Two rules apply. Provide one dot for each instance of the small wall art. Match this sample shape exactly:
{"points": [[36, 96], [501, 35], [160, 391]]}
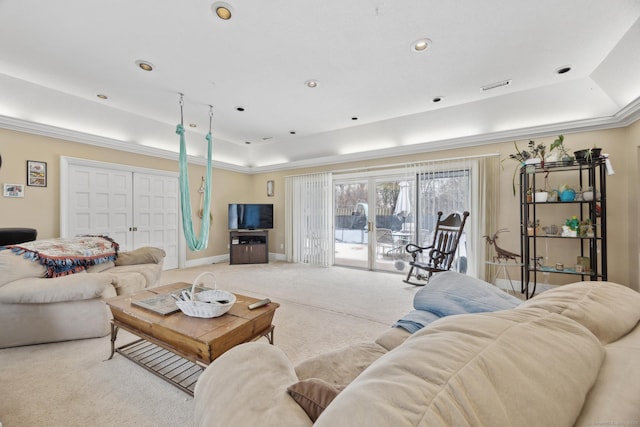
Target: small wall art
{"points": [[36, 173], [13, 190]]}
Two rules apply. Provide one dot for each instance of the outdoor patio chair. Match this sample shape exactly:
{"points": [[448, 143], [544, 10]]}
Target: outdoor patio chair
{"points": [[440, 254], [384, 240]]}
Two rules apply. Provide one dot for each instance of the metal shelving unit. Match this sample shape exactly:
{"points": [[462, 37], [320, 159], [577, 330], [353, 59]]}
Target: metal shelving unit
{"points": [[592, 174]]}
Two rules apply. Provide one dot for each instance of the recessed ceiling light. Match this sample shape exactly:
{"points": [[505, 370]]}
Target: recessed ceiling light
{"points": [[312, 83], [248, 142], [563, 70], [145, 65], [193, 125], [240, 108], [354, 118], [421, 45], [437, 99], [102, 96], [292, 132], [222, 10]]}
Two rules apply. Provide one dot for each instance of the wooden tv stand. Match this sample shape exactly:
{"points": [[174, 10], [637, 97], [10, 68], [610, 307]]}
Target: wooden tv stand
{"points": [[249, 247]]}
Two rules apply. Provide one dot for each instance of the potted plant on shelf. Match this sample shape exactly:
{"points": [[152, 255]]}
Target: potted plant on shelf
{"points": [[540, 196], [588, 156], [563, 154], [534, 155]]}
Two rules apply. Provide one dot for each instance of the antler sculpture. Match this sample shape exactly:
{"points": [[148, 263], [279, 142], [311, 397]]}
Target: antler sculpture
{"points": [[500, 253]]}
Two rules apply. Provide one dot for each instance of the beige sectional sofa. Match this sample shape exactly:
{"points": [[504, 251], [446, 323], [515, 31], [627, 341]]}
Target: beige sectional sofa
{"points": [[569, 356], [35, 309]]}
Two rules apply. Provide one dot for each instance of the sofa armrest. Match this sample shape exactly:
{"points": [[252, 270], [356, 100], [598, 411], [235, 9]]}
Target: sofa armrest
{"points": [[247, 386], [149, 273], [144, 255]]}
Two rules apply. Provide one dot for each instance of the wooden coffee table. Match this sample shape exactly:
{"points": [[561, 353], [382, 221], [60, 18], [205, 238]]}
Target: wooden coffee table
{"points": [[177, 347]]}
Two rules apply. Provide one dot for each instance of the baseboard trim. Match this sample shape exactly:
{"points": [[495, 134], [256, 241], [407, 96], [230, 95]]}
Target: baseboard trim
{"points": [[225, 258]]}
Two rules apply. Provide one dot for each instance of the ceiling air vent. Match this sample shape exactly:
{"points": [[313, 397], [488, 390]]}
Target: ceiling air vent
{"points": [[496, 85]]}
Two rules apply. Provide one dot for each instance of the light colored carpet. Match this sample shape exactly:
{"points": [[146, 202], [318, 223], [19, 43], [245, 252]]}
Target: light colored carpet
{"points": [[70, 384]]}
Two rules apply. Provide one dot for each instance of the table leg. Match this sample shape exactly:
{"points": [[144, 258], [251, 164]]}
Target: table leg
{"points": [[268, 334], [114, 334], [508, 276]]}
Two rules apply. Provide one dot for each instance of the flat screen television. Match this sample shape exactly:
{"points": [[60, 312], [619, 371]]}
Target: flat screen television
{"points": [[250, 216]]}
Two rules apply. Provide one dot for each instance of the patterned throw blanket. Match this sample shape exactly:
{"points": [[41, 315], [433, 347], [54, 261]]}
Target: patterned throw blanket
{"points": [[67, 256]]}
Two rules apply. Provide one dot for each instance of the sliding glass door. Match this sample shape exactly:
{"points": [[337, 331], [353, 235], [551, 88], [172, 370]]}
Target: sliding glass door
{"points": [[373, 217], [377, 213], [351, 223]]}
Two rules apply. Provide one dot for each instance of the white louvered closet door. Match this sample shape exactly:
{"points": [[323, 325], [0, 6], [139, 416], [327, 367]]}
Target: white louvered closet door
{"points": [[134, 208], [100, 201], [156, 216]]}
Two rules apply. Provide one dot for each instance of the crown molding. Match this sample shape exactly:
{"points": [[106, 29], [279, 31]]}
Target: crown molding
{"points": [[25, 126], [623, 118]]}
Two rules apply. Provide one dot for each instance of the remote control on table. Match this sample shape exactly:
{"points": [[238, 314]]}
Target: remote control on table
{"points": [[259, 303]]}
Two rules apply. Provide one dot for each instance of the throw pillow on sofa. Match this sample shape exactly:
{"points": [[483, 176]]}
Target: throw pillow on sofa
{"points": [[313, 395]]}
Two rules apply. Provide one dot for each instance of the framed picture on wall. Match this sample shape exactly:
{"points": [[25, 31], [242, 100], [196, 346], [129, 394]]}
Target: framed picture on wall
{"points": [[36, 173], [13, 190]]}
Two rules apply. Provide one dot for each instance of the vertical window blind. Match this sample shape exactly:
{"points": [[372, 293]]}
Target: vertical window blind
{"points": [[452, 185], [309, 219], [457, 185]]}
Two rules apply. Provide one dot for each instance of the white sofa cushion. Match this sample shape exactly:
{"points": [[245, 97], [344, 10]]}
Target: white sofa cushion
{"points": [[615, 397], [151, 273], [341, 366], [392, 338], [511, 368], [75, 287], [254, 379], [607, 309], [127, 282], [14, 267]]}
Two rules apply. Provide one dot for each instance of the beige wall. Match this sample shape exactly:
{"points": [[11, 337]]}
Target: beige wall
{"points": [[230, 187], [632, 225], [622, 145], [40, 208]]}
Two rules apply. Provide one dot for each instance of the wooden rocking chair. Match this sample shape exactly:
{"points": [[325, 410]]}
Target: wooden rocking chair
{"points": [[441, 253]]}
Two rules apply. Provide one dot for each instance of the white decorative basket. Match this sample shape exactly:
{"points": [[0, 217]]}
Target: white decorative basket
{"points": [[206, 303]]}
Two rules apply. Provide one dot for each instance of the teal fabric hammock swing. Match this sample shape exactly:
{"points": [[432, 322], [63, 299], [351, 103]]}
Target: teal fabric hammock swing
{"points": [[194, 243]]}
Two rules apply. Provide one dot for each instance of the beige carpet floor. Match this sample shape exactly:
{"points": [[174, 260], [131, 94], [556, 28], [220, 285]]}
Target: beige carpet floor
{"points": [[70, 384]]}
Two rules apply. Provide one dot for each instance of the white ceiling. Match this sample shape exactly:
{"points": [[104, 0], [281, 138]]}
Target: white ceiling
{"points": [[55, 57]]}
